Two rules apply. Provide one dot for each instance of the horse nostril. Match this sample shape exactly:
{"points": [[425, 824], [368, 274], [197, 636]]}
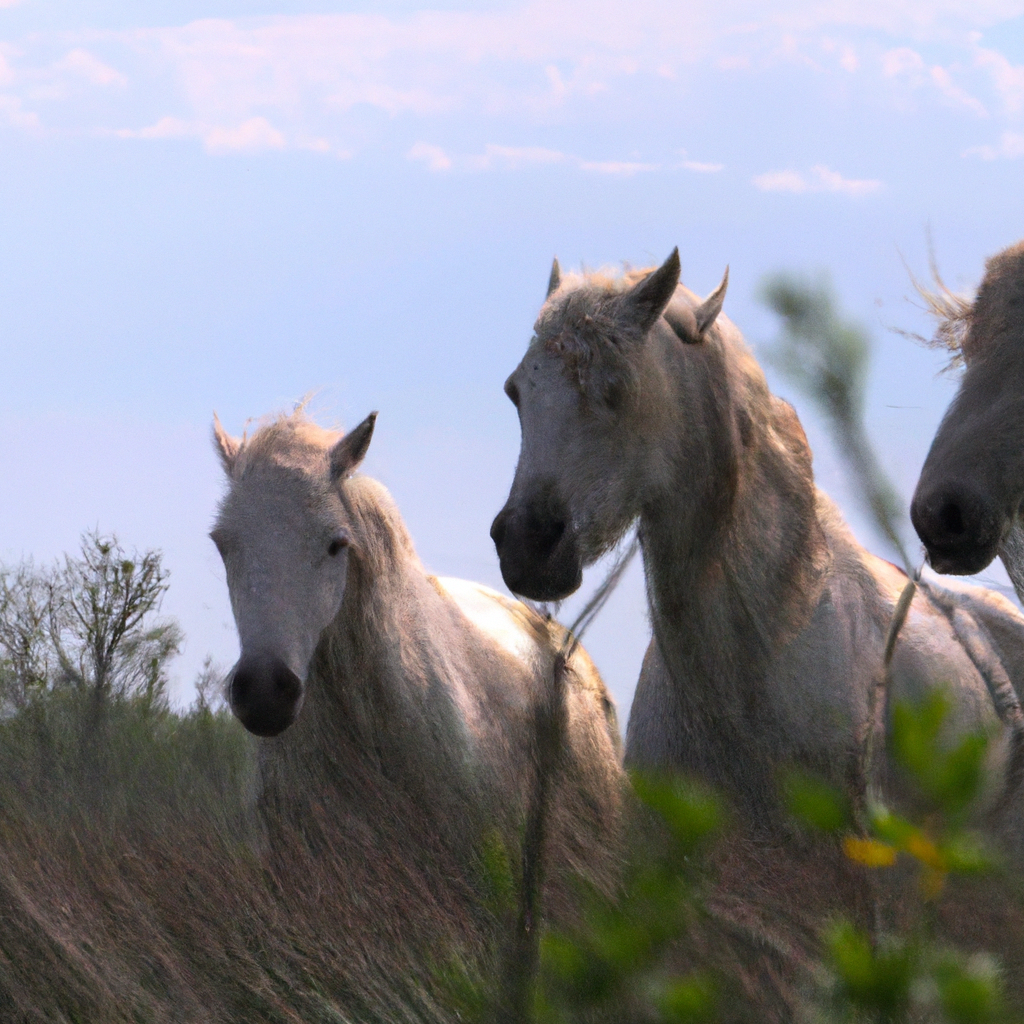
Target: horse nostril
{"points": [[287, 685], [544, 534], [952, 519]]}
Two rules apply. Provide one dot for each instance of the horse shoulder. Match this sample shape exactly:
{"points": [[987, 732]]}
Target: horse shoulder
{"points": [[823, 676]]}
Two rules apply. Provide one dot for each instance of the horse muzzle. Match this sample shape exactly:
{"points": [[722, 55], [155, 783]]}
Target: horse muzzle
{"points": [[265, 694], [958, 527], [539, 555]]}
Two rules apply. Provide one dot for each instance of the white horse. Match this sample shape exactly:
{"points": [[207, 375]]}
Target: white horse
{"points": [[404, 706], [638, 401]]}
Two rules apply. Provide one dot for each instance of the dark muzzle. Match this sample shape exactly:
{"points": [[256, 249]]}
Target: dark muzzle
{"points": [[958, 527], [537, 550], [265, 694]]}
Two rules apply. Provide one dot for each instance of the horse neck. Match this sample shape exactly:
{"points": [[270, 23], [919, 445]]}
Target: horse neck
{"points": [[733, 549]]}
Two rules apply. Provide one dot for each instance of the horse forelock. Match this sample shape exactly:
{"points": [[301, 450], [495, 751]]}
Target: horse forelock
{"points": [[579, 323], [998, 309], [969, 327], [290, 439]]}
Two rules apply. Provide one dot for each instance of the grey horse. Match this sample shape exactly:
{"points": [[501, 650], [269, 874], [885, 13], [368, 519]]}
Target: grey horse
{"points": [[638, 401], [398, 709]]}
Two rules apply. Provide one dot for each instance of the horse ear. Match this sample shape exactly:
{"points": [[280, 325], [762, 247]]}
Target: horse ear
{"points": [[707, 312], [646, 300], [351, 449], [225, 445], [555, 279]]}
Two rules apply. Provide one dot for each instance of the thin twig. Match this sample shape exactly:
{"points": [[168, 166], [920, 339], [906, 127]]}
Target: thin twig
{"points": [[549, 729]]}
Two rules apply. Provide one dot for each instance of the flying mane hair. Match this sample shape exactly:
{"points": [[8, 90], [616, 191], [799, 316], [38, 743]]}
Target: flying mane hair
{"points": [[286, 434], [964, 324]]}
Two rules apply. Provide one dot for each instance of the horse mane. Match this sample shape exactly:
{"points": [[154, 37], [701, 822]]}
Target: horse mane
{"points": [[966, 325], [997, 306]]}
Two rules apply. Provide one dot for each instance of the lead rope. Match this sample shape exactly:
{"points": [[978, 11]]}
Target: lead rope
{"points": [[549, 729]]}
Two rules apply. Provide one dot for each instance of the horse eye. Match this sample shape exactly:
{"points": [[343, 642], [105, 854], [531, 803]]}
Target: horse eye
{"points": [[613, 394], [337, 543], [512, 391]]}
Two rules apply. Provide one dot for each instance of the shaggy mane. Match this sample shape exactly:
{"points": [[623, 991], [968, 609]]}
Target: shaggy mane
{"points": [[291, 438], [951, 311]]}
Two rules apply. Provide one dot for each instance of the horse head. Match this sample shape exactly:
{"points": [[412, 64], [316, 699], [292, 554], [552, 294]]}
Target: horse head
{"points": [[284, 535], [593, 405], [972, 483]]}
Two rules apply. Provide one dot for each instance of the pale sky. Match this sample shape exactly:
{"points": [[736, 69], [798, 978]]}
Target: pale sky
{"points": [[228, 205]]}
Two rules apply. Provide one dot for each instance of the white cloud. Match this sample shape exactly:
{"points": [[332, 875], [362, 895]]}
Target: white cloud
{"points": [[513, 157], [781, 181], [307, 81], [495, 157], [1007, 78], [12, 111], [434, 157], [251, 135], [623, 168], [165, 128], [957, 96], [254, 134], [902, 61], [6, 71], [820, 179], [910, 66], [702, 168], [1010, 147], [84, 64]]}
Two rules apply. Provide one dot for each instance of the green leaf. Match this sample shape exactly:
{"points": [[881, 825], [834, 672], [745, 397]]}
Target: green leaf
{"points": [[969, 992], [875, 979], [815, 803], [690, 810], [967, 854], [687, 1000], [890, 828]]}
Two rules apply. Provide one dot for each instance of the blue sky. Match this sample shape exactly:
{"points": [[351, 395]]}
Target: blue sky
{"points": [[229, 205]]}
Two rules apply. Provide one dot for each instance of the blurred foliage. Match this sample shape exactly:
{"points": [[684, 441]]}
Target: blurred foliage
{"points": [[912, 974], [616, 957], [617, 963], [827, 358]]}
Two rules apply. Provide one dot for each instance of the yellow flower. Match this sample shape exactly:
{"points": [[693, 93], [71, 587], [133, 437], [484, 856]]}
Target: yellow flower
{"points": [[870, 852], [921, 847]]}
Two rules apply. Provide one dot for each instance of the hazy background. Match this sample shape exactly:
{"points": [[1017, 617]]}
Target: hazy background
{"points": [[228, 205]]}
